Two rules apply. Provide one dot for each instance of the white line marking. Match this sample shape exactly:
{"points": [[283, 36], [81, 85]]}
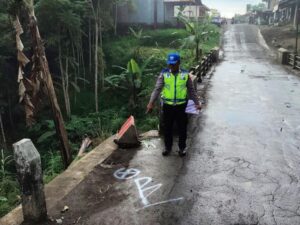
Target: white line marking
{"points": [[160, 203], [141, 183]]}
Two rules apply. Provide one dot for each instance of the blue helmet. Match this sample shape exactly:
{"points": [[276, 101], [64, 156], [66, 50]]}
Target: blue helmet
{"points": [[173, 58]]}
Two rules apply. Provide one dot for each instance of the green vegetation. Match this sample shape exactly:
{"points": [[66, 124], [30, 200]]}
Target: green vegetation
{"points": [[128, 66], [9, 192]]}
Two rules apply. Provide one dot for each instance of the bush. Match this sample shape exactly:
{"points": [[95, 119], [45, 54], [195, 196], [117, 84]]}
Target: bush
{"points": [[166, 38], [119, 51], [53, 165], [9, 195]]}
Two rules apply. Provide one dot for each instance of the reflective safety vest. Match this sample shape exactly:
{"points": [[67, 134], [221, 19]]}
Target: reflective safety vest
{"points": [[175, 90]]}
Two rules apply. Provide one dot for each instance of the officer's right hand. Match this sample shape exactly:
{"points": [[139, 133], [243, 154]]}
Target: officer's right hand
{"points": [[198, 107], [149, 108]]}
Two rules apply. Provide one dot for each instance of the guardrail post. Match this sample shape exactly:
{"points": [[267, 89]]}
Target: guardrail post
{"points": [[283, 56], [29, 170], [215, 54]]}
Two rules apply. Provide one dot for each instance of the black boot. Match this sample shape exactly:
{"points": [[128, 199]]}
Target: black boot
{"points": [[166, 152], [182, 152]]}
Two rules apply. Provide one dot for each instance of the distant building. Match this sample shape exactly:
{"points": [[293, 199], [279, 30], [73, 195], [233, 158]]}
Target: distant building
{"points": [[285, 12], [271, 4], [158, 12]]}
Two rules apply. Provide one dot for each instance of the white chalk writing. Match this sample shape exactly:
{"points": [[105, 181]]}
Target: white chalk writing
{"points": [[144, 191], [125, 174], [162, 202]]}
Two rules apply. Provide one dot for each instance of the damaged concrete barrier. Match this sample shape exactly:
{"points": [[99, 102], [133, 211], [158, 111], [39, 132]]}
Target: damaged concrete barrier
{"points": [[29, 170], [127, 137], [215, 54], [283, 56], [194, 80]]}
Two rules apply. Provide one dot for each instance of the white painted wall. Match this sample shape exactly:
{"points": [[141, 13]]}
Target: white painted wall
{"points": [[144, 13]]}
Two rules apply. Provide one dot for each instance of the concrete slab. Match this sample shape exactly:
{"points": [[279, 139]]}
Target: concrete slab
{"points": [[63, 184]]}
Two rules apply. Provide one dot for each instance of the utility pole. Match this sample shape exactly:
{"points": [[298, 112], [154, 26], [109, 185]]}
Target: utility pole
{"points": [[155, 14]]}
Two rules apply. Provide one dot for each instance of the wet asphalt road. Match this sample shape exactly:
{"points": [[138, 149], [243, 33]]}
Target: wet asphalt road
{"points": [[243, 164]]}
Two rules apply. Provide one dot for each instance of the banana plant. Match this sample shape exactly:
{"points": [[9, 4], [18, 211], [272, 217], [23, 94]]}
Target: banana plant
{"points": [[199, 33], [130, 79], [138, 35]]}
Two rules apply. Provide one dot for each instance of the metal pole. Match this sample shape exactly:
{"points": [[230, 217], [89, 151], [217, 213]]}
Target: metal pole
{"points": [[297, 30], [297, 27]]}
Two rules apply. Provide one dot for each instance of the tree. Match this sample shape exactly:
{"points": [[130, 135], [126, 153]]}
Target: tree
{"points": [[101, 11], [2, 132], [40, 74], [95, 11], [258, 7], [7, 54], [199, 33], [131, 80], [65, 38]]}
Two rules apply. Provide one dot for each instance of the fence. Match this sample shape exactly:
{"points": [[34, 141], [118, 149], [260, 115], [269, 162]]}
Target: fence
{"points": [[205, 64], [294, 60]]}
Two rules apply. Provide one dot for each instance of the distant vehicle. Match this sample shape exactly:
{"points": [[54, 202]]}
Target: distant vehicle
{"points": [[217, 21], [224, 21]]}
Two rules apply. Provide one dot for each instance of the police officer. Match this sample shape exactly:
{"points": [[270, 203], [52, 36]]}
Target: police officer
{"points": [[175, 85]]}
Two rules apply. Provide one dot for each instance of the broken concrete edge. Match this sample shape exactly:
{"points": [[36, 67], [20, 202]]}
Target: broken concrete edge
{"points": [[149, 135], [70, 178], [283, 50]]}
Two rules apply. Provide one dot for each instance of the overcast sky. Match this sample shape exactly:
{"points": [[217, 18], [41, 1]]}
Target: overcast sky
{"points": [[229, 7]]}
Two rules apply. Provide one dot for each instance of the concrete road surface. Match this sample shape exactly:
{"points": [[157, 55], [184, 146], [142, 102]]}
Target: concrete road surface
{"points": [[243, 164]]}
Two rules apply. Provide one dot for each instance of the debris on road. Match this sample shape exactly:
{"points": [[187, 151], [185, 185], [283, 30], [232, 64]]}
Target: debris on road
{"points": [[148, 144], [86, 142], [106, 166], [150, 134], [59, 221], [65, 209]]}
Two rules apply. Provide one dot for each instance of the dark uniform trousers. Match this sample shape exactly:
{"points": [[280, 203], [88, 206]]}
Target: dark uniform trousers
{"points": [[171, 114]]}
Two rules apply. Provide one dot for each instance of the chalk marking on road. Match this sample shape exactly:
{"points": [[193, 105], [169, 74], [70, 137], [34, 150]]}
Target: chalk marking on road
{"points": [[126, 174], [243, 40], [160, 203], [141, 183]]}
